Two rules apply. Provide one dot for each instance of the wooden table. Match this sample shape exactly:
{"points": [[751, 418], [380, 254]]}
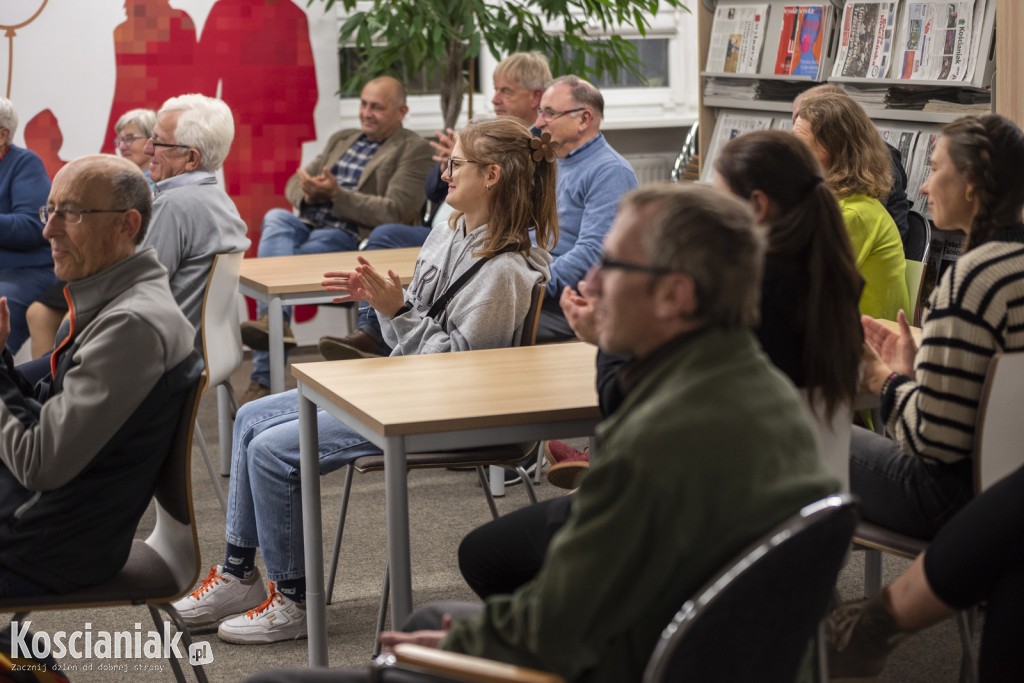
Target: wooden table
{"points": [[432, 402], [291, 280]]}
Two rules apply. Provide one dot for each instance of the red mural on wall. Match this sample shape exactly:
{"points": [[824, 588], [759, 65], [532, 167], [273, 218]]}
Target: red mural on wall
{"points": [[256, 56], [43, 136], [259, 53], [154, 57]]}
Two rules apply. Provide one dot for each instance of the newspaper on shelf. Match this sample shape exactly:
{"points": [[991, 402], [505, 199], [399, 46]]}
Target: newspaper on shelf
{"points": [[737, 39], [935, 40], [919, 168], [866, 39], [976, 39], [802, 39], [730, 126], [741, 89], [902, 139]]}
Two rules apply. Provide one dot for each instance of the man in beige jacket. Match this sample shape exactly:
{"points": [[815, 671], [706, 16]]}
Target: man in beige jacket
{"points": [[365, 177]]}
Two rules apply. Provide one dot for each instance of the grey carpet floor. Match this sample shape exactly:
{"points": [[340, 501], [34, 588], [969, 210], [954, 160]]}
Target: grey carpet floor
{"points": [[444, 505]]}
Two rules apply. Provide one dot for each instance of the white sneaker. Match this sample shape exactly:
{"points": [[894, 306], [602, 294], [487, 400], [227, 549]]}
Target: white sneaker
{"points": [[278, 618], [218, 596]]}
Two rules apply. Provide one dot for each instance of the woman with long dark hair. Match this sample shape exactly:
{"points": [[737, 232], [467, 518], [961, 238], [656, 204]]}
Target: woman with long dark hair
{"points": [[810, 326]]}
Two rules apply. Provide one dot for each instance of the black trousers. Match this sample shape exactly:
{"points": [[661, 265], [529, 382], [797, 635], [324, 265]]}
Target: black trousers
{"points": [[979, 555], [502, 555]]}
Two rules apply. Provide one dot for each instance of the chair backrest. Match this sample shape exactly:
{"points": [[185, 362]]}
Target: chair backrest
{"points": [[999, 434], [833, 436], [174, 535], [222, 341], [914, 275], [755, 619], [529, 335], [919, 237]]}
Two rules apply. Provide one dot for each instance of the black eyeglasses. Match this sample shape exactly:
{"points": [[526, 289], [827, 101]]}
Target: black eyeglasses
{"points": [[72, 216], [549, 114], [166, 144], [606, 263], [454, 163]]}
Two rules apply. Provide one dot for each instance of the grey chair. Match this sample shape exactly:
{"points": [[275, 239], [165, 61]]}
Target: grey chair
{"points": [[161, 568], [755, 620], [222, 353]]}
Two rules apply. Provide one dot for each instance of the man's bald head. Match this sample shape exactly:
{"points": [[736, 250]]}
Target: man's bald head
{"points": [[382, 107], [113, 199]]}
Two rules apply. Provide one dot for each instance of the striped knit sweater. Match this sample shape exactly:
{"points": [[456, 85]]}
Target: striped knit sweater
{"points": [[976, 311]]}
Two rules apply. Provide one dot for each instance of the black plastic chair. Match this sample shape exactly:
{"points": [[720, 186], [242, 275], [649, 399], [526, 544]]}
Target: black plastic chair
{"points": [[919, 237], [755, 620]]}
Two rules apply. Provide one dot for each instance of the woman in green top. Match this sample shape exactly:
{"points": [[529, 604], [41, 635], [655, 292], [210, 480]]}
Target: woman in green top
{"points": [[857, 170]]}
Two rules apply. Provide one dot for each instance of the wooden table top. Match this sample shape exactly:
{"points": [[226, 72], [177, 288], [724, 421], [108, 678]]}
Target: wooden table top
{"points": [[442, 392], [304, 273]]}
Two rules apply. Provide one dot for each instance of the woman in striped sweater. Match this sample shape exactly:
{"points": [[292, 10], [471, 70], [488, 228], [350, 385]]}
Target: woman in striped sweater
{"points": [[916, 481]]}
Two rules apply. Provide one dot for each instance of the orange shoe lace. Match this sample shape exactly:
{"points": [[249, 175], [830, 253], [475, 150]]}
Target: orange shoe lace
{"points": [[209, 582], [273, 598]]}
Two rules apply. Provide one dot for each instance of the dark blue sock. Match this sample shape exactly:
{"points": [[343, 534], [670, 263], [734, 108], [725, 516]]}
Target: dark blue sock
{"points": [[293, 589], [240, 562]]}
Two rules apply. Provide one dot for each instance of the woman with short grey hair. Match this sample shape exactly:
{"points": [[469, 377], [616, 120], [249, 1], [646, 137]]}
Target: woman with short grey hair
{"points": [[133, 129]]}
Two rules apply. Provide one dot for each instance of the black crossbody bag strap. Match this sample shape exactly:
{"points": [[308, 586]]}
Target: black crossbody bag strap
{"points": [[441, 302]]}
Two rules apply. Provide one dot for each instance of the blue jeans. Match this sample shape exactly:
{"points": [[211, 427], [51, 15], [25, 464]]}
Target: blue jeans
{"points": [[903, 492], [388, 236], [22, 286], [283, 234], [265, 496]]}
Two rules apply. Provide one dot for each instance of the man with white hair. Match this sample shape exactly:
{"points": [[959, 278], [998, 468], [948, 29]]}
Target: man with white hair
{"points": [[193, 218], [26, 269]]}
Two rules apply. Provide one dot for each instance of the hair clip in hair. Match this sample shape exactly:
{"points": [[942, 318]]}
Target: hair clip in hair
{"points": [[544, 148]]}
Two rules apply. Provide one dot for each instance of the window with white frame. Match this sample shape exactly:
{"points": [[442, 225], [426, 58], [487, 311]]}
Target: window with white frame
{"points": [[667, 53]]}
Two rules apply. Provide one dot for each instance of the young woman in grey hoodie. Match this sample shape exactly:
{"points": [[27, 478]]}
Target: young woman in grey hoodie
{"points": [[501, 181]]}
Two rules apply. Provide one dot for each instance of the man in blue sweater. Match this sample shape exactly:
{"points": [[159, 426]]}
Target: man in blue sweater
{"points": [[592, 177], [26, 268]]}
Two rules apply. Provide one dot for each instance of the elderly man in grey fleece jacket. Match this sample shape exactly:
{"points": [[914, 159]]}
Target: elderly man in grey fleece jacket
{"points": [[80, 451], [193, 218]]}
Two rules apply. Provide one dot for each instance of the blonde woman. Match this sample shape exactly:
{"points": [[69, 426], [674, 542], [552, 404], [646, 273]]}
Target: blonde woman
{"points": [[857, 170]]}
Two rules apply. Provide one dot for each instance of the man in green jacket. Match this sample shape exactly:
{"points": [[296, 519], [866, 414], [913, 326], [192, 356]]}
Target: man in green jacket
{"points": [[709, 450]]}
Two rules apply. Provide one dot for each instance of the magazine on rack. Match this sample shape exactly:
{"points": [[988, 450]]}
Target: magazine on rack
{"points": [[935, 41], [801, 40], [737, 39], [866, 39], [730, 126]]}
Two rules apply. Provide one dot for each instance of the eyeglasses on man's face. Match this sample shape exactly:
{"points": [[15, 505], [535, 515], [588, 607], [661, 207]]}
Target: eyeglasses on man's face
{"points": [[127, 140], [153, 142], [71, 216], [549, 114], [605, 263]]}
